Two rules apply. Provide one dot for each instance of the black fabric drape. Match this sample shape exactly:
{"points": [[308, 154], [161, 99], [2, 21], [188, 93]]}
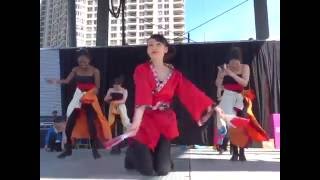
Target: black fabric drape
{"points": [[198, 62], [265, 70]]}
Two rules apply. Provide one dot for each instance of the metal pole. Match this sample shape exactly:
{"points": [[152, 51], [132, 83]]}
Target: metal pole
{"points": [[123, 23], [72, 37], [261, 19], [102, 23]]}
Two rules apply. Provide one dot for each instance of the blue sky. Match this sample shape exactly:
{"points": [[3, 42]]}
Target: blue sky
{"points": [[237, 24]]}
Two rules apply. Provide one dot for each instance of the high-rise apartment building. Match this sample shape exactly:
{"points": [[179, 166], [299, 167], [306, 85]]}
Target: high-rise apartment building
{"points": [[53, 23], [146, 17], [142, 18]]}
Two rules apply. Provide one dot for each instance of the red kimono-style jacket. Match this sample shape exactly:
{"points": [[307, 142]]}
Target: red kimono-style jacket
{"points": [[163, 122]]}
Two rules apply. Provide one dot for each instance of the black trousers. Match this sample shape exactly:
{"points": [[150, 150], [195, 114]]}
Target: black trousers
{"points": [[141, 158], [225, 143], [117, 129], [91, 115], [53, 145]]}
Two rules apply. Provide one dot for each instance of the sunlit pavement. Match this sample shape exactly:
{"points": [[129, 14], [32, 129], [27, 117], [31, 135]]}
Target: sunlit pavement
{"points": [[202, 163]]}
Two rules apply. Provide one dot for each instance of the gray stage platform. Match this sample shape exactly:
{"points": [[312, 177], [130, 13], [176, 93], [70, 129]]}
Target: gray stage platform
{"points": [[203, 164]]}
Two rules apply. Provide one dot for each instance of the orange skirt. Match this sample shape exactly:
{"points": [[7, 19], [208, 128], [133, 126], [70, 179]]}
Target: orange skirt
{"points": [[253, 131], [81, 131]]}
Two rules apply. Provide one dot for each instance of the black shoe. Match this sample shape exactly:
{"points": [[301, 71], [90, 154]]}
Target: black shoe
{"points": [[66, 152], [116, 150], [172, 165], [234, 157], [95, 154], [128, 164], [242, 157]]}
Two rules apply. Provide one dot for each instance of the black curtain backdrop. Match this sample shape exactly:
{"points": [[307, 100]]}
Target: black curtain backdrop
{"points": [[198, 62]]}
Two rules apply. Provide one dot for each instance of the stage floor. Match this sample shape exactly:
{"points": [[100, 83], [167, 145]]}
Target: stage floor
{"points": [[203, 164]]}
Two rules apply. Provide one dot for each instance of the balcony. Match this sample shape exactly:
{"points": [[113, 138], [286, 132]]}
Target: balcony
{"points": [[132, 14], [178, 26], [148, 6], [132, 7], [148, 2], [131, 34], [148, 20], [178, 40], [179, 30], [132, 27], [132, 41], [148, 27], [148, 13], [178, 6], [131, 1], [132, 20], [178, 19], [178, 12]]}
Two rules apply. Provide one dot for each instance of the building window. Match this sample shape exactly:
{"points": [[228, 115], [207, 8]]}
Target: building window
{"points": [[89, 22], [166, 0], [141, 41], [141, 1], [90, 2], [88, 43], [141, 20], [166, 12], [113, 21], [166, 33], [160, 12], [132, 34], [141, 13], [166, 6], [89, 16], [89, 8], [159, 6], [88, 36], [95, 22], [166, 19], [159, 0], [141, 27], [159, 27], [114, 28], [141, 34], [113, 42], [141, 7], [89, 28], [167, 26], [96, 8], [132, 41], [133, 7], [113, 35], [159, 19]]}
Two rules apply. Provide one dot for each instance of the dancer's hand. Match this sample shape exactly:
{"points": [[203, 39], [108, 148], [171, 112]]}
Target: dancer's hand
{"points": [[229, 72], [51, 81], [132, 130], [206, 117], [219, 111]]}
